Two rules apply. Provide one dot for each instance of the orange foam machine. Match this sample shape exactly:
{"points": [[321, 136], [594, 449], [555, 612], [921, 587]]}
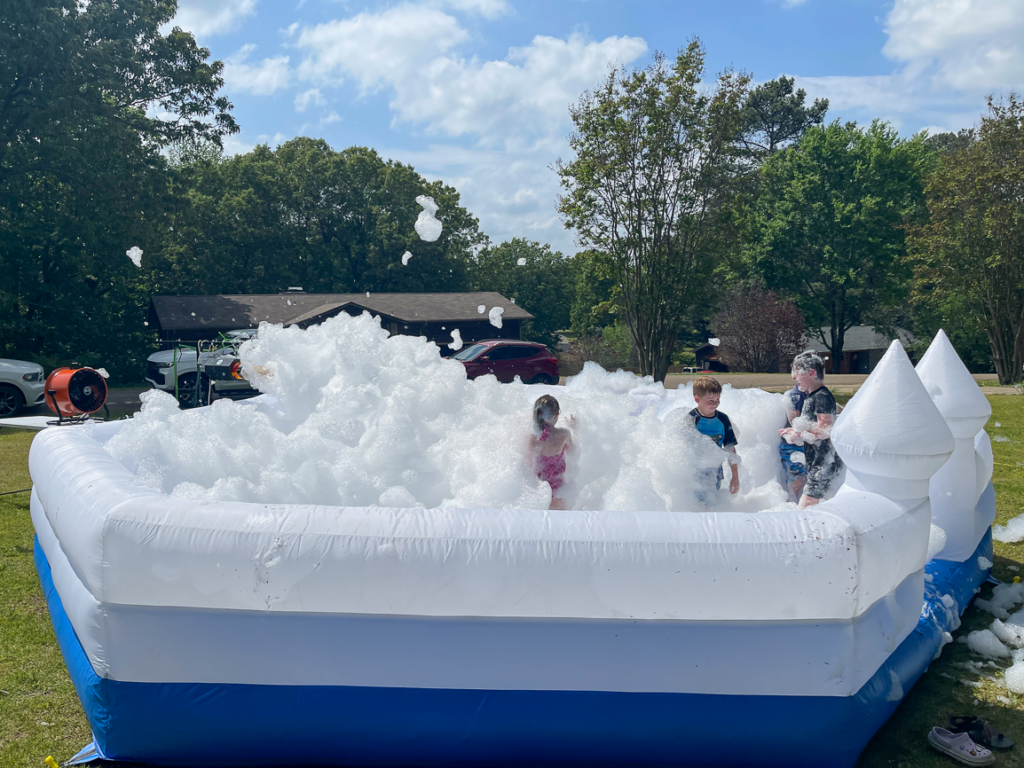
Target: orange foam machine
{"points": [[75, 391]]}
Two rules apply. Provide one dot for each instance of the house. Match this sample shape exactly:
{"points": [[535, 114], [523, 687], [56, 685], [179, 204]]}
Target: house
{"points": [[434, 315], [708, 358], [863, 347]]}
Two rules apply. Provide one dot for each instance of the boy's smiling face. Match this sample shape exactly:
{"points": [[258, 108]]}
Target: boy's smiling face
{"points": [[707, 404]]}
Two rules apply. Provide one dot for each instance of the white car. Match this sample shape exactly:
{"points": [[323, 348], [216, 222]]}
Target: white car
{"points": [[162, 368], [21, 384]]}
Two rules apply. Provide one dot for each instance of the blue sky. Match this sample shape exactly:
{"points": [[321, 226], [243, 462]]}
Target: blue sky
{"points": [[476, 92]]}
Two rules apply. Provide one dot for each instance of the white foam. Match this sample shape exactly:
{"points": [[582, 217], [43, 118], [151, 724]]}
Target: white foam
{"points": [[456, 342], [494, 316], [1010, 533], [521, 262], [983, 642], [1014, 676], [405, 258], [984, 563], [936, 541], [135, 254], [427, 227], [353, 417]]}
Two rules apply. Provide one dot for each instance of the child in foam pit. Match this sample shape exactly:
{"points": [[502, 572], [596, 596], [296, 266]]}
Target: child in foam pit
{"points": [[813, 428], [794, 461], [710, 421], [548, 445]]}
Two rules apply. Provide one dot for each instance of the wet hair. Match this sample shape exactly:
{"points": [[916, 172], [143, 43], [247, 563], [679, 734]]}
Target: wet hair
{"points": [[706, 385], [810, 361], [545, 410]]}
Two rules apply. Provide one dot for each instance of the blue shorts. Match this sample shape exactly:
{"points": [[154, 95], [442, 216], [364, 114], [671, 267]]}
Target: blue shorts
{"points": [[793, 469]]}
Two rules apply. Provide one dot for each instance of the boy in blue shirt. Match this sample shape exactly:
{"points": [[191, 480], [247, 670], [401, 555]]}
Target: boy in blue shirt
{"points": [[710, 421]]}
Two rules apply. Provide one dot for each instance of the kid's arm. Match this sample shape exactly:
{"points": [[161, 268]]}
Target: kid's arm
{"points": [[734, 482]]}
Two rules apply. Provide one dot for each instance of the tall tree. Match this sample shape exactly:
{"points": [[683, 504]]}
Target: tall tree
{"points": [[306, 215], [775, 115], [758, 330], [537, 278], [89, 94], [654, 159], [971, 253], [828, 225]]}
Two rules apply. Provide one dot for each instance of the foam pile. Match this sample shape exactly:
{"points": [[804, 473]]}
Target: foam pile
{"points": [[1010, 533], [355, 418], [1005, 636]]}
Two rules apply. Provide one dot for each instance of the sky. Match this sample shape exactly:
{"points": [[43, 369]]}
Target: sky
{"points": [[476, 93]]}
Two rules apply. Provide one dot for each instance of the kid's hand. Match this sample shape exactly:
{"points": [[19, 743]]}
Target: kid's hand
{"points": [[734, 485]]}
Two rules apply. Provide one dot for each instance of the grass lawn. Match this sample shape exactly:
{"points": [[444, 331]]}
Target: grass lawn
{"points": [[40, 714]]}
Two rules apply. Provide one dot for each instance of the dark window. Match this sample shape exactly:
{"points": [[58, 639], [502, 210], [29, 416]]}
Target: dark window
{"points": [[520, 353], [501, 353]]}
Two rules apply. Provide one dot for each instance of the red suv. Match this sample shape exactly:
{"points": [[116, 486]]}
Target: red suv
{"points": [[506, 359]]}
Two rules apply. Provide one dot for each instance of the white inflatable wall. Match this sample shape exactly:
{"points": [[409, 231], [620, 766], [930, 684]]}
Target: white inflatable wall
{"points": [[785, 602]]}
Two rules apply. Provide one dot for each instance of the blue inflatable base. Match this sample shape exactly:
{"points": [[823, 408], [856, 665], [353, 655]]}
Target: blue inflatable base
{"points": [[263, 725]]}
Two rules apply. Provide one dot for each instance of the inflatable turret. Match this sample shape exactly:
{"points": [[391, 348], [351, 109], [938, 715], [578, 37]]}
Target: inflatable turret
{"points": [[891, 435], [957, 488]]}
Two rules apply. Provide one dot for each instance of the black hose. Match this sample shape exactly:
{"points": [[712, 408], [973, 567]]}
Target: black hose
{"points": [[8, 493]]}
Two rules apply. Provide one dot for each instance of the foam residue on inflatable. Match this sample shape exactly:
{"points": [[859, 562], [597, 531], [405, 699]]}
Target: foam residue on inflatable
{"points": [[358, 418]]}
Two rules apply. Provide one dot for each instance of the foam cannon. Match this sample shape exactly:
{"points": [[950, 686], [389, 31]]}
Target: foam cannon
{"points": [[75, 393]]}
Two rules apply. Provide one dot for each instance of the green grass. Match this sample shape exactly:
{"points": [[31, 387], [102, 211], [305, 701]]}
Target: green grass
{"points": [[35, 688]]}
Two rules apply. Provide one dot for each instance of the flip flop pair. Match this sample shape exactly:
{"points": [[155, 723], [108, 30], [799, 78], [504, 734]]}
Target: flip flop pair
{"points": [[980, 731]]}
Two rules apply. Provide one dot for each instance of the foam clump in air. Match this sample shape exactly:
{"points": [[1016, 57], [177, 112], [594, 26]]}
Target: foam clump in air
{"points": [[405, 258], [352, 417], [427, 227], [494, 316], [135, 254], [481, 309], [521, 262], [1010, 533], [456, 342]]}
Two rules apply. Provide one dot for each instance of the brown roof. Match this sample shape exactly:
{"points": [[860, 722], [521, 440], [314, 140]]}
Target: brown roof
{"points": [[186, 313]]}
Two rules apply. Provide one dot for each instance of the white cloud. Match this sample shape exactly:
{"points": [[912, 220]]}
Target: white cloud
{"points": [[490, 9], [515, 109], [966, 44], [235, 146], [211, 17], [409, 49], [950, 53], [312, 96], [261, 79], [334, 117]]}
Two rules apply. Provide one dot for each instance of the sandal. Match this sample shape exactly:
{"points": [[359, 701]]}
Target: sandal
{"points": [[960, 747], [980, 731]]}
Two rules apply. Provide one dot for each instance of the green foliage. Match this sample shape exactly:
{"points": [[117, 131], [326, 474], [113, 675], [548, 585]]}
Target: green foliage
{"points": [[306, 215], [827, 229], [655, 155], [81, 177], [543, 285], [970, 256], [775, 115]]}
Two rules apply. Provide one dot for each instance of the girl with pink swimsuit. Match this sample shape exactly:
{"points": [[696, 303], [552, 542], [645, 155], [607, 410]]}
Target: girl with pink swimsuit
{"points": [[548, 446]]}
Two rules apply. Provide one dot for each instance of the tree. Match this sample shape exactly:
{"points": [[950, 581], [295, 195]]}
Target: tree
{"points": [[542, 284], [304, 214], [89, 94], [775, 115], [827, 228], [758, 329], [970, 256], [649, 186]]}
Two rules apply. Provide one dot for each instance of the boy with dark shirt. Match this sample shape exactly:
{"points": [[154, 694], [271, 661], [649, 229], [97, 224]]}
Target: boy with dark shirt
{"points": [[710, 421], [814, 428]]}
